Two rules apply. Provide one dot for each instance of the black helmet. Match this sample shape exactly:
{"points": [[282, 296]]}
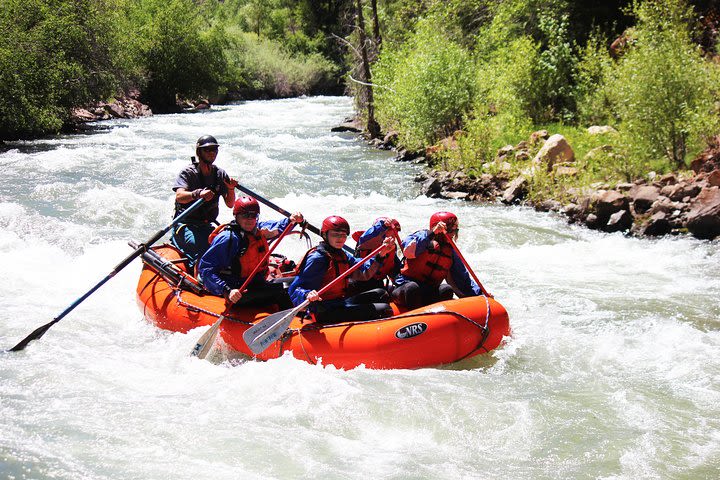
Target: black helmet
{"points": [[206, 141]]}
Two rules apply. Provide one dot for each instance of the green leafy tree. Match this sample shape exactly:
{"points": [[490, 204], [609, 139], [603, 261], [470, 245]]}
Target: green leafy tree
{"points": [[663, 90], [427, 85], [179, 53], [54, 55], [593, 70]]}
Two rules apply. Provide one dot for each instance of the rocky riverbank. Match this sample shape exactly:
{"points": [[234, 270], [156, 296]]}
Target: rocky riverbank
{"points": [[671, 204], [125, 106]]}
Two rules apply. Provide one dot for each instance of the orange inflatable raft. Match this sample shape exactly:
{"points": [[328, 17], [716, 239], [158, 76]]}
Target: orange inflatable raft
{"points": [[438, 334]]}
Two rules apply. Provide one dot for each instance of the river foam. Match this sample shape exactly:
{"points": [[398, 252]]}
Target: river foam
{"points": [[613, 370]]}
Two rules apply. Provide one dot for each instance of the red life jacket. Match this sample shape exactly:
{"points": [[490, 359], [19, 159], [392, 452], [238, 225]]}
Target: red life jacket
{"points": [[431, 266], [337, 265], [388, 265], [248, 258]]}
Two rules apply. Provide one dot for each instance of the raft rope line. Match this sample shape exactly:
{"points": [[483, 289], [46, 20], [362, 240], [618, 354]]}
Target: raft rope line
{"points": [[190, 306], [483, 328], [178, 290]]}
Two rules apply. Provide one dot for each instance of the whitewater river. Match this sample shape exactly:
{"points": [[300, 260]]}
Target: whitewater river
{"points": [[613, 369]]}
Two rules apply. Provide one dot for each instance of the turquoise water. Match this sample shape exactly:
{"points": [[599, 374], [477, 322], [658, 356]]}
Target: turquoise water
{"points": [[613, 370]]}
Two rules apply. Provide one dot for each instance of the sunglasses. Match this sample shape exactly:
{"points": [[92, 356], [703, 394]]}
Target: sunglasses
{"points": [[249, 216], [210, 149]]}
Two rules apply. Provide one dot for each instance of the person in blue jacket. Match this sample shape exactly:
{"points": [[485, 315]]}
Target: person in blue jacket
{"points": [[369, 240], [200, 179], [236, 249], [430, 259], [328, 261]]}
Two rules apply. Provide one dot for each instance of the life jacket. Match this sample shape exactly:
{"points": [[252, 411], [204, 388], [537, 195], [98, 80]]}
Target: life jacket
{"points": [[337, 265], [431, 266], [388, 265], [251, 253], [208, 211]]}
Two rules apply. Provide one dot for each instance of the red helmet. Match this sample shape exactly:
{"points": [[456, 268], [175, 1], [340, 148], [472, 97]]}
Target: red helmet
{"points": [[450, 220], [393, 223], [335, 223], [246, 205]]}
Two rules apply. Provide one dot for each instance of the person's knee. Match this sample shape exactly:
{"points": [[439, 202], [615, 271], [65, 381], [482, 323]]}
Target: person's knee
{"points": [[446, 292], [382, 295], [383, 310]]}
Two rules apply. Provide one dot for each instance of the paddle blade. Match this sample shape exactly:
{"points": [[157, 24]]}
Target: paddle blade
{"points": [[268, 330], [205, 343], [37, 333]]}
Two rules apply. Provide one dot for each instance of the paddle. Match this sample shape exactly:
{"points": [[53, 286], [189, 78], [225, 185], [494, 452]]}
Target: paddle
{"points": [[462, 259], [40, 331], [282, 211], [267, 255], [202, 347], [204, 343], [268, 330]]}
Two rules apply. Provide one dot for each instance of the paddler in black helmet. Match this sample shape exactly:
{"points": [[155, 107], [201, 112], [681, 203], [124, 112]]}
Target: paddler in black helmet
{"points": [[200, 179]]}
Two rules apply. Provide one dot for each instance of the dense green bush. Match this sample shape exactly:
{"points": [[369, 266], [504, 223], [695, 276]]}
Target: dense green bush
{"points": [[60, 54], [54, 55], [593, 69], [262, 68], [556, 67], [178, 53], [427, 85], [663, 90]]}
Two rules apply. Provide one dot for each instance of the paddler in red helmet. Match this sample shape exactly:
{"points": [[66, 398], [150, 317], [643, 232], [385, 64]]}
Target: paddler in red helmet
{"points": [[369, 240], [327, 261], [430, 259], [235, 249]]}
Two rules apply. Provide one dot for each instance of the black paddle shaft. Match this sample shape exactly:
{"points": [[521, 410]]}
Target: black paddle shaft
{"points": [[40, 331], [282, 211]]}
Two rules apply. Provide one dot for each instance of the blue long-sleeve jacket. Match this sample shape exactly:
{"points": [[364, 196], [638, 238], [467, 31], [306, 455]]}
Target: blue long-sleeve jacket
{"points": [[458, 277], [377, 232], [227, 246], [315, 268]]}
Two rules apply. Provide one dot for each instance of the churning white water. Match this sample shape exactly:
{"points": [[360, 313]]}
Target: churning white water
{"points": [[613, 370]]}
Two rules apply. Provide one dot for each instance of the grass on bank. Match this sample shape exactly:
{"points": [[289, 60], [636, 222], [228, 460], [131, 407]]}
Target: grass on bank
{"points": [[661, 92], [261, 67]]}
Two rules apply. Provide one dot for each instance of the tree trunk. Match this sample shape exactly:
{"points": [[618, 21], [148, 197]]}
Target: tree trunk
{"points": [[372, 126], [376, 27]]}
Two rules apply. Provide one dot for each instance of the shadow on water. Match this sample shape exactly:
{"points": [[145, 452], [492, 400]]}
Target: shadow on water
{"points": [[477, 362]]}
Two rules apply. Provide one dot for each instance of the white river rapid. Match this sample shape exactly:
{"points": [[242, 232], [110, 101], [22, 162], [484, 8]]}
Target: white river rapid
{"points": [[612, 372]]}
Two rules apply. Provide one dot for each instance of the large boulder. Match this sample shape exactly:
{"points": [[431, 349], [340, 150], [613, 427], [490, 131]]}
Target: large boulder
{"points": [[644, 197], [556, 149], [703, 219], [116, 110], [82, 115], [431, 187], [353, 125], [600, 130], [619, 222], [713, 178], [658, 225], [515, 191], [681, 190], [608, 203]]}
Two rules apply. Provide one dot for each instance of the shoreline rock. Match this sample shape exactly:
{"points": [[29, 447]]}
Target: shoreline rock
{"points": [[667, 205], [126, 106], [661, 206]]}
